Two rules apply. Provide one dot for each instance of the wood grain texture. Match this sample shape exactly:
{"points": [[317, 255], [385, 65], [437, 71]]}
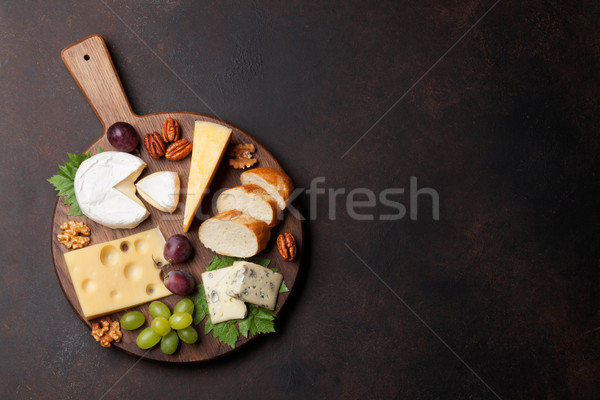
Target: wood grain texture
{"points": [[90, 64]]}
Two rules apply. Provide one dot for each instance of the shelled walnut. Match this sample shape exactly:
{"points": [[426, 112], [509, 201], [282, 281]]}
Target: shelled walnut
{"points": [[107, 331], [242, 156], [70, 235]]}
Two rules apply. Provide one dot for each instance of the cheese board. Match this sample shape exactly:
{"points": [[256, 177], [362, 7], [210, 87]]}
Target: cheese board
{"points": [[91, 66]]}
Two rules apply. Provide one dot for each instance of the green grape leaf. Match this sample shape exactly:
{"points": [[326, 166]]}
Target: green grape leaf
{"points": [[222, 262], [264, 262], [226, 261], [225, 332], [283, 288], [200, 305], [64, 179], [259, 320]]}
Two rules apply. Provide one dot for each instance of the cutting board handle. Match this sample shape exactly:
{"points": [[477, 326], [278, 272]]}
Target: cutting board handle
{"points": [[92, 68]]}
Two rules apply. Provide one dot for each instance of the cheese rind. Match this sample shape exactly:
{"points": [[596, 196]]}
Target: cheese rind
{"points": [[105, 190], [210, 142], [221, 307], [118, 274], [161, 190], [254, 284]]}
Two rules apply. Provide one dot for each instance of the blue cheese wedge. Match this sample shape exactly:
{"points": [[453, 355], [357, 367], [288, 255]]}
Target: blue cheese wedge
{"points": [[254, 284], [221, 307]]}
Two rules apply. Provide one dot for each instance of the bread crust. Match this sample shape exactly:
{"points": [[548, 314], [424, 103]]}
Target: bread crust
{"points": [[275, 178], [259, 228], [253, 190]]}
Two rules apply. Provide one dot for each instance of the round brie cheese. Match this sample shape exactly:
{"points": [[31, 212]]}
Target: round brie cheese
{"points": [[105, 190]]}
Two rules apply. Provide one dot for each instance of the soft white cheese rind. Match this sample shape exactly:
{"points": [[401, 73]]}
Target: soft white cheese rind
{"points": [[97, 196], [221, 307], [161, 190], [254, 284]]}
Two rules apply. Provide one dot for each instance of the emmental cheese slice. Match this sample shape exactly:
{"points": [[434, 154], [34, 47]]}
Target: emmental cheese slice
{"points": [[221, 307], [122, 273], [210, 143], [254, 284]]}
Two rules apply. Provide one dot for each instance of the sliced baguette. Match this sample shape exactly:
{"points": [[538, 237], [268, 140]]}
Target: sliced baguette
{"points": [[276, 183], [232, 233], [251, 200]]}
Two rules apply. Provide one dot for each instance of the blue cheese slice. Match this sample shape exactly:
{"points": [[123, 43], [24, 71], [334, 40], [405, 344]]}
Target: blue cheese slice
{"points": [[221, 307], [254, 284]]}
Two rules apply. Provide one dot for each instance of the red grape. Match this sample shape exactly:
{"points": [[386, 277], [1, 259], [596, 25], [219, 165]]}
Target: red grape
{"points": [[122, 136], [180, 282], [178, 249]]}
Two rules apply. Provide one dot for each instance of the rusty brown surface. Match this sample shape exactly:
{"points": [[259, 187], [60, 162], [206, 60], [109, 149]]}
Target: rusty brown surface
{"points": [[504, 128]]}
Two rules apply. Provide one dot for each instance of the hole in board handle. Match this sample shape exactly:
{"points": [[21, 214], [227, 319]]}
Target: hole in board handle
{"points": [[86, 57]]}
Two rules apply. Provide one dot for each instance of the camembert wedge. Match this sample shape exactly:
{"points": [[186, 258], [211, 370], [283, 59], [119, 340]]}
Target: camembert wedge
{"points": [[210, 143], [161, 190]]}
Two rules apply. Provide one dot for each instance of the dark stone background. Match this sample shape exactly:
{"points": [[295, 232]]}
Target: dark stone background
{"points": [[505, 128]]}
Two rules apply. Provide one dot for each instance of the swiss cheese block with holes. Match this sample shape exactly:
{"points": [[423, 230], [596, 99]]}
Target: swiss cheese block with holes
{"points": [[122, 273]]}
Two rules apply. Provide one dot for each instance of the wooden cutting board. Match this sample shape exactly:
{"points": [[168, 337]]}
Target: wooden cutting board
{"points": [[90, 64]]}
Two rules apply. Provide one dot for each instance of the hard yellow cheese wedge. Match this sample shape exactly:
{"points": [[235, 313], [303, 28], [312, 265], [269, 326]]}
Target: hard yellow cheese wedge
{"points": [[111, 276], [210, 143]]}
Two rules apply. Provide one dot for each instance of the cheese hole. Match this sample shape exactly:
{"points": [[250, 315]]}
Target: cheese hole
{"points": [[141, 246], [88, 285], [132, 272], [125, 247], [114, 294], [150, 289], [109, 256]]}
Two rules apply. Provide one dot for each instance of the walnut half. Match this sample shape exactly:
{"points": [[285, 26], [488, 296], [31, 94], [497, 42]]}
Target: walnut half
{"points": [[70, 235], [107, 331], [242, 156]]}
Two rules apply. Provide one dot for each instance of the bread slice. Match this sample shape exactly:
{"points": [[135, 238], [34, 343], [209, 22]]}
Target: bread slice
{"points": [[232, 233], [276, 183], [251, 200]]}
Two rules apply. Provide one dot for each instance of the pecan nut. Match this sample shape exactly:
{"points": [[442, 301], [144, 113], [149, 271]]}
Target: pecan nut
{"points": [[155, 145], [178, 150], [242, 156], [286, 244], [170, 130]]}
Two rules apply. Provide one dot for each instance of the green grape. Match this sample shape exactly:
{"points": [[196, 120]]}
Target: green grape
{"points": [[169, 343], [180, 320], [147, 338], [184, 305], [132, 320], [158, 309], [188, 335], [160, 326]]}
